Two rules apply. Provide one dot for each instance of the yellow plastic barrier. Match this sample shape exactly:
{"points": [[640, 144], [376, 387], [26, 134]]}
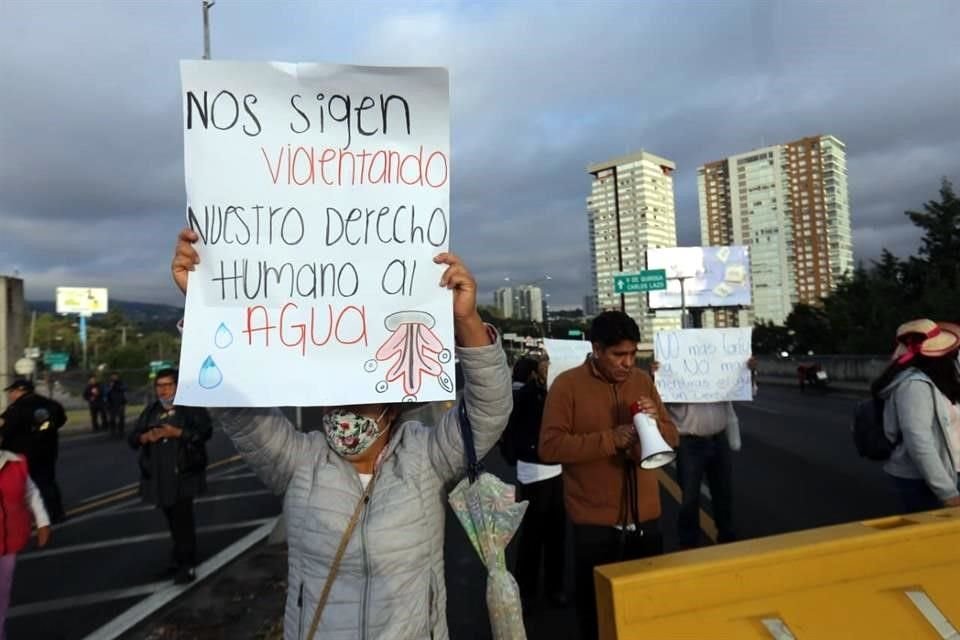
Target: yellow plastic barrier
{"points": [[892, 578]]}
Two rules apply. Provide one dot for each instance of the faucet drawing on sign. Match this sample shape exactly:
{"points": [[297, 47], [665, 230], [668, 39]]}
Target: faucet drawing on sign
{"points": [[415, 351]]}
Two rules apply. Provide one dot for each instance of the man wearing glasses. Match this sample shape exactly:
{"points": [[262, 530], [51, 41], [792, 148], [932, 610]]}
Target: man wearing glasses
{"points": [[173, 462]]}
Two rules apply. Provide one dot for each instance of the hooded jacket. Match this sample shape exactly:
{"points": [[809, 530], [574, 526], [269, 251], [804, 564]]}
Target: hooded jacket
{"points": [[390, 585], [917, 409]]}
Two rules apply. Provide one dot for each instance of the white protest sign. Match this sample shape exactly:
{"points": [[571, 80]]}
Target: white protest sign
{"points": [[703, 365], [564, 355], [321, 195]]}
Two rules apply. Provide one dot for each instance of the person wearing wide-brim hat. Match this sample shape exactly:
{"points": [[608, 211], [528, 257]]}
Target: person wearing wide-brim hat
{"points": [[921, 390]]}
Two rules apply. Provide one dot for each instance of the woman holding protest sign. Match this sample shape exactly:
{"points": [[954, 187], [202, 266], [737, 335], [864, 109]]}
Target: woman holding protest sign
{"points": [[368, 470]]}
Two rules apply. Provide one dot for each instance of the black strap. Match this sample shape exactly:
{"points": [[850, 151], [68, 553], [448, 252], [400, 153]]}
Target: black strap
{"points": [[466, 430]]}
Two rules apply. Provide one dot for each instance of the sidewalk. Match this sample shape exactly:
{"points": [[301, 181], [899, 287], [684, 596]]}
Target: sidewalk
{"points": [[78, 421]]}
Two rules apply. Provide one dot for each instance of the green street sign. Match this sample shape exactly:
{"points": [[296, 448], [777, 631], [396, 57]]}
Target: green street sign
{"points": [[56, 359], [650, 280], [573, 333]]}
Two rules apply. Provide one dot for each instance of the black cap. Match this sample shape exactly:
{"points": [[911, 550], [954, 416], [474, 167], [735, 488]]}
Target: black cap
{"points": [[22, 385]]}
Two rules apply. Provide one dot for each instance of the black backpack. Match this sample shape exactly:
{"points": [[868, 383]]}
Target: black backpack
{"points": [[867, 429]]}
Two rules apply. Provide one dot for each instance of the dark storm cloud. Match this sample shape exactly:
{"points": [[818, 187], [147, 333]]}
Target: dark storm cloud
{"points": [[91, 184]]}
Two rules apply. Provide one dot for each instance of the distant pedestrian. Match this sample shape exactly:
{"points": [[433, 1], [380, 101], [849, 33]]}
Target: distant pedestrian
{"points": [[117, 405], [588, 428], [921, 389], [173, 461], [709, 431], [30, 426], [543, 534], [93, 393], [20, 507]]}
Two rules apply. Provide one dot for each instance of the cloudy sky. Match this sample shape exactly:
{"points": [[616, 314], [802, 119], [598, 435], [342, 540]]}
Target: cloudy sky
{"points": [[91, 169]]}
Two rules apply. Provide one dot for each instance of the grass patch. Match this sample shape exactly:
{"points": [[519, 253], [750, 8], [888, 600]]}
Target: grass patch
{"points": [[78, 418]]}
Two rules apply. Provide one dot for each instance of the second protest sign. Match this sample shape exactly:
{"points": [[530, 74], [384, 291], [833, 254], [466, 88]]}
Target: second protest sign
{"points": [[703, 365]]}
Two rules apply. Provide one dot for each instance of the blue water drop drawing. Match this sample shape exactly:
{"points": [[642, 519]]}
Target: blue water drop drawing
{"points": [[210, 374], [223, 338]]}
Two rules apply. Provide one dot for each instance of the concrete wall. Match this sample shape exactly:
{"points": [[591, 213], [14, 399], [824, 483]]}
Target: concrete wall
{"points": [[840, 368], [12, 313]]}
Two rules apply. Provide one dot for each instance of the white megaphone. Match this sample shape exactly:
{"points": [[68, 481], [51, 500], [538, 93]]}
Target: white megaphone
{"points": [[654, 449]]}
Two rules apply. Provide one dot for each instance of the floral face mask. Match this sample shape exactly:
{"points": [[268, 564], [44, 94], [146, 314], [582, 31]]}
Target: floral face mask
{"points": [[350, 434]]}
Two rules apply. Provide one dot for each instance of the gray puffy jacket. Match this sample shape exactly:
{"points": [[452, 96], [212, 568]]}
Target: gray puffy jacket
{"points": [[391, 582], [915, 408]]}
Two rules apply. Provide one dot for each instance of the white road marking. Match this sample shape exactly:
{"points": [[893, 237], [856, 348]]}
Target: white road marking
{"points": [[46, 606], [59, 551], [139, 506], [140, 611]]}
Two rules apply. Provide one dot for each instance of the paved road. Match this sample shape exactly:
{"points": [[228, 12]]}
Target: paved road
{"points": [[797, 470], [108, 556]]}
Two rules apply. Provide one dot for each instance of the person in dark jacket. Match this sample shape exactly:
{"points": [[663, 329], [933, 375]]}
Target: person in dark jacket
{"points": [[30, 427], [117, 405], [173, 461], [542, 538], [94, 395]]}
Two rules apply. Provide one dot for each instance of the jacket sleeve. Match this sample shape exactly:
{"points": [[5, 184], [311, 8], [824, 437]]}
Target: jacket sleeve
{"points": [[200, 428], [58, 415], [35, 502], [489, 399], [558, 441], [267, 441], [139, 428], [917, 417]]}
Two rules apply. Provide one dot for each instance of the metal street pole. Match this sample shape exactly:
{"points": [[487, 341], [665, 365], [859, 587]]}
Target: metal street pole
{"points": [[83, 338], [207, 5]]}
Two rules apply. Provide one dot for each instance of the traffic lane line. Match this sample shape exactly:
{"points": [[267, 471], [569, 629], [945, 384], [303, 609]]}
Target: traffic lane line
{"points": [[130, 490], [70, 602], [139, 507], [707, 525], [139, 518], [147, 607], [147, 537], [136, 504]]}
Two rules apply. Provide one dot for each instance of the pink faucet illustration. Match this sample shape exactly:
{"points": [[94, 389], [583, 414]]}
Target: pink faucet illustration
{"points": [[415, 351]]}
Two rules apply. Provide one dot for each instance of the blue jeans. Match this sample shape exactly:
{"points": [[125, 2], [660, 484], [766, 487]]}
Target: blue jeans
{"points": [[698, 457], [915, 495]]}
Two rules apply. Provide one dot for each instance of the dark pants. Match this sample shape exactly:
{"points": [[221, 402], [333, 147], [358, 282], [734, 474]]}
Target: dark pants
{"points": [[596, 545], [183, 532], [916, 496], [98, 417], [542, 538], [698, 457], [118, 419], [44, 475]]}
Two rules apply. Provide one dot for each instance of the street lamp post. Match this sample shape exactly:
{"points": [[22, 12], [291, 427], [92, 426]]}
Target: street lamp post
{"points": [[207, 5]]}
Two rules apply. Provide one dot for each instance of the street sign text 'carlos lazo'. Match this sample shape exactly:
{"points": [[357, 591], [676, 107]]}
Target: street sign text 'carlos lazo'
{"points": [[650, 280]]}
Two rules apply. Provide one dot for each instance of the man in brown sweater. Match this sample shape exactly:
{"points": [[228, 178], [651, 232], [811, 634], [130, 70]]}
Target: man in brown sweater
{"points": [[587, 426]]}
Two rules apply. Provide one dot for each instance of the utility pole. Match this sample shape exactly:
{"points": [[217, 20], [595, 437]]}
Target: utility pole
{"points": [[207, 5]]}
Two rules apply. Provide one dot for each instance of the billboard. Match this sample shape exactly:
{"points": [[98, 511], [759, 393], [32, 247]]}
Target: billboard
{"points": [[83, 300], [713, 276]]}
